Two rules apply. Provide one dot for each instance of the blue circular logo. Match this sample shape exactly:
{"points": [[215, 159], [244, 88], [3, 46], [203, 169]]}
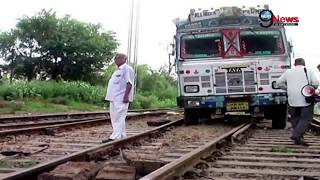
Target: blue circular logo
{"points": [[266, 15]]}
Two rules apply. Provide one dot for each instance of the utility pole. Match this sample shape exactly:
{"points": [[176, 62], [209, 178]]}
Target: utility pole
{"points": [[134, 20], [130, 32]]}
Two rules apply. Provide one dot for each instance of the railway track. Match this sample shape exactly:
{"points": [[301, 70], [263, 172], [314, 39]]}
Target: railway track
{"points": [[172, 143], [31, 126], [20, 153], [262, 154], [205, 152], [55, 117], [139, 158]]}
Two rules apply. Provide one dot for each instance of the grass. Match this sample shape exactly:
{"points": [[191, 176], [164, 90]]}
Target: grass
{"points": [[44, 106], [84, 106], [281, 149], [17, 164]]}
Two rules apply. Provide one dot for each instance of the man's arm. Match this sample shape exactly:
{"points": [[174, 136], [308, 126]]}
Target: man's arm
{"points": [[281, 82], [129, 78], [315, 82], [126, 94]]}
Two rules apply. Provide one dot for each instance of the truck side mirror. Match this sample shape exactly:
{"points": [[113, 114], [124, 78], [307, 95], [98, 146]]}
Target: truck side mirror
{"points": [[290, 47], [172, 49]]}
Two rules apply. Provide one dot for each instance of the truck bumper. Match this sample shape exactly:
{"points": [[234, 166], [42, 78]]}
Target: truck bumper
{"points": [[254, 100]]}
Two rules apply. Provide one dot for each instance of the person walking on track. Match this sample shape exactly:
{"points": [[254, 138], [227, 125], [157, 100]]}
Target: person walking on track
{"points": [[317, 106], [119, 94], [301, 112]]}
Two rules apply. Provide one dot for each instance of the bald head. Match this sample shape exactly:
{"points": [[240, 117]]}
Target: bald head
{"points": [[120, 59], [299, 62]]}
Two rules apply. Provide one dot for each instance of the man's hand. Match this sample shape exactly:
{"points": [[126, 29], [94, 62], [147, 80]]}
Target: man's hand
{"points": [[125, 99]]}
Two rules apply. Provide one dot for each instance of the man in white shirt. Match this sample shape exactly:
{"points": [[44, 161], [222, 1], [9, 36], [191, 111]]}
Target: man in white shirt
{"points": [[317, 106], [119, 94], [300, 111]]}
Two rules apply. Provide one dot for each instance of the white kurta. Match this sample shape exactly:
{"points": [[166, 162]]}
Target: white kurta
{"points": [[115, 93], [317, 106], [294, 80]]}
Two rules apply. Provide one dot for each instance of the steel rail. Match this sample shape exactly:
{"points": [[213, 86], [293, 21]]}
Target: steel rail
{"points": [[48, 122], [87, 154], [39, 116], [69, 124], [180, 165]]}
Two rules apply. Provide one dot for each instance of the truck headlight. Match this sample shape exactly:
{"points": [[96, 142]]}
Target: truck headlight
{"points": [[193, 103], [275, 86], [191, 88]]}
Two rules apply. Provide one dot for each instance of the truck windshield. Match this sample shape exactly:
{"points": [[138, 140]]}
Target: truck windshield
{"points": [[255, 43], [200, 45]]}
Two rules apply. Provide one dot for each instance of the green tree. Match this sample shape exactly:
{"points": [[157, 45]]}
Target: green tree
{"points": [[158, 83], [8, 49], [62, 47]]}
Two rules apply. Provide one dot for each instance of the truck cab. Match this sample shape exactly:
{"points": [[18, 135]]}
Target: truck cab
{"points": [[227, 63]]}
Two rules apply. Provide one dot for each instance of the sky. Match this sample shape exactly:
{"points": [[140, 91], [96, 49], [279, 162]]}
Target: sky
{"points": [[156, 28]]}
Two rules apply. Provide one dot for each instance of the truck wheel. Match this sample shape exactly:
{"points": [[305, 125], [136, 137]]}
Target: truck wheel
{"points": [[279, 116], [191, 117]]}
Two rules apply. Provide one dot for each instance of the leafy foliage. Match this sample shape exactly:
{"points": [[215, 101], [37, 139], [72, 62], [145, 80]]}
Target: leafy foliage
{"points": [[78, 91], [59, 47], [154, 89]]}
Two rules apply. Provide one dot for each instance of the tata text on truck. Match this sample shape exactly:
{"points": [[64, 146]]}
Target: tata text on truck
{"points": [[228, 63]]}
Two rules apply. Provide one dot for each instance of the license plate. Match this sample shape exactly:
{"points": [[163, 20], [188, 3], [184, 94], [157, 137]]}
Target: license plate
{"points": [[237, 106]]}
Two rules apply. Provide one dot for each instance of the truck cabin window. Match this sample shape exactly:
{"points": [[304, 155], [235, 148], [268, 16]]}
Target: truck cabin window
{"points": [[200, 45], [261, 43], [253, 43]]}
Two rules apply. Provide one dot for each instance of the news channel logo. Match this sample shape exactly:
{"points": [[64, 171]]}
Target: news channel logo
{"points": [[265, 17]]}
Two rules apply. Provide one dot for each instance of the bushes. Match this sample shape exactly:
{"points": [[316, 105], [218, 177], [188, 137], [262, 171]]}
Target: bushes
{"points": [[151, 101], [57, 92], [154, 90]]}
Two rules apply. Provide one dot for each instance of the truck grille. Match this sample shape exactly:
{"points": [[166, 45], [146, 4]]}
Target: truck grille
{"points": [[191, 79], [231, 83], [205, 78], [206, 85]]}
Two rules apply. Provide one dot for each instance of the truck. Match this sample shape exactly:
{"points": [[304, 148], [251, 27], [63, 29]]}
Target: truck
{"points": [[227, 63]]}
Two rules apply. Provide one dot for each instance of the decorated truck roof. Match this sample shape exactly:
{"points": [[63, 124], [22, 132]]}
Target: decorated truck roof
{"points": [[219, 17]]}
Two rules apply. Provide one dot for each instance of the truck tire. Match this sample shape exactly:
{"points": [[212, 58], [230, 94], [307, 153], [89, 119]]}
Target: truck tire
{"points": [[191, 117], [279, 116]]}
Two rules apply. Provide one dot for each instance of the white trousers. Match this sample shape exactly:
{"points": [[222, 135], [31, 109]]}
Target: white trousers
{"points": [[118, 113]]}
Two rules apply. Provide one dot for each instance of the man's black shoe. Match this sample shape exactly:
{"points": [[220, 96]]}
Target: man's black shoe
{"points": [[107, 140], [300, 142], [303, 143], [292, 138]]}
